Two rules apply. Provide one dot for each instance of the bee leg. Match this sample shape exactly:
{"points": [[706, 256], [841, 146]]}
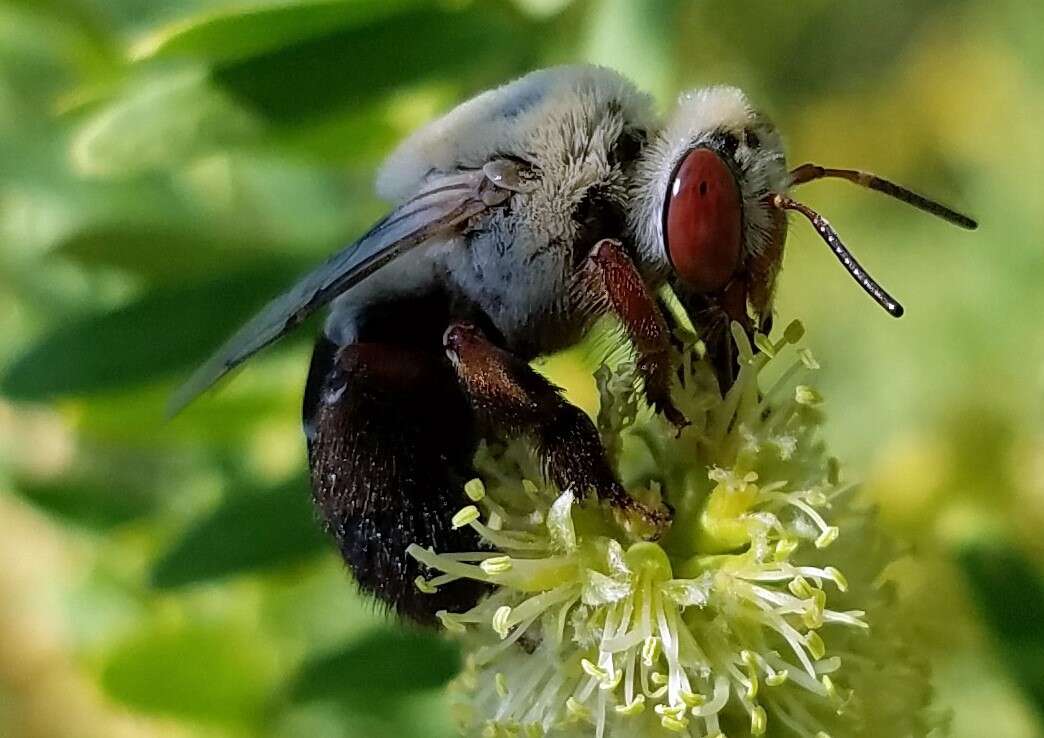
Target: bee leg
{"points": [[391, 448], [510, 398], [618, 287]]}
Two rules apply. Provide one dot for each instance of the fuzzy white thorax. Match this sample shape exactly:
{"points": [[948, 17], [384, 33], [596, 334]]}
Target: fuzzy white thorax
{"points": [[521, 118], [560, 125], [700, 116]]}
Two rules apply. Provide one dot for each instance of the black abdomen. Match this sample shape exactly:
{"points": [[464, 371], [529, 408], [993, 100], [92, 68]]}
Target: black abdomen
{"points": [[390, 449]]}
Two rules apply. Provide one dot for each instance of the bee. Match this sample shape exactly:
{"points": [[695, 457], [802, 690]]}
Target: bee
{"points": [[519, 219]]}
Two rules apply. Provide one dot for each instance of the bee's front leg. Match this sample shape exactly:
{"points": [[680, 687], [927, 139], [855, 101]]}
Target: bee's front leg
{"points": [[609, 282], [510, 398]]}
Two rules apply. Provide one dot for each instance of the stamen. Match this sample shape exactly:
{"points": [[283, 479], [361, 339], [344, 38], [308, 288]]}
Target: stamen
{"points": [[632, 708], [650, 650], [693, 699], [577, 710], [758, 721], [496, 565], [590, 625], [424, 586], [815, 644], [475, 489], [450, 622], [675, 725], [592, 670], [717, 702], [465, 516], [501, 620], [828, 536], [808, 359], [838, 577], [805, 395]]}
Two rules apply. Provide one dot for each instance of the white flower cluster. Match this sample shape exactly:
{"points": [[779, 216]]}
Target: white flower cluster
{"points": [[737, 622]]}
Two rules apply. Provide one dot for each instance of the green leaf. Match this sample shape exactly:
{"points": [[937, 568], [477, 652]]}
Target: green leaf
{"points": [[382, 665], [1009, 592], [635, 39], [249, 531], [226, 420], [162, 121], [46, 47], [243, 208], [201, 672], [164, 332], [161, 252], [359, 139], [239, 32], [63, 203], [353, 67], [90, 504]]}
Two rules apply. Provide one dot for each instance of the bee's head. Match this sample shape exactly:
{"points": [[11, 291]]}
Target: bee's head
{"points": [[711, 193], [701, 185]]}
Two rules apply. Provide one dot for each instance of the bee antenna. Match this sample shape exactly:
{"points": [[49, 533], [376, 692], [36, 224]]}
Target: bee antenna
{"points": [[811, 172], [828, 234]]}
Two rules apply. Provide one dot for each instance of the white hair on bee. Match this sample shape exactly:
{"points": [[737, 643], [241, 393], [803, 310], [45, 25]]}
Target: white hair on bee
{"points": [[706, 118], [560, 125], [542, 117]]}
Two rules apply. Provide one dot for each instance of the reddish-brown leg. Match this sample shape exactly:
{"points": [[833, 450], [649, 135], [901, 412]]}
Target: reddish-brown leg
{"points": [[509, 398], [615, 285]]}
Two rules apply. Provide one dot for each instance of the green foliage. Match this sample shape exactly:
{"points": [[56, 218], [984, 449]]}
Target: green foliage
{"points": [[227, 34], [1009, 592], [167, 165], [351, 69], [382, 666], [159, 334], [90, 503], [250, 530], [198, 672]]}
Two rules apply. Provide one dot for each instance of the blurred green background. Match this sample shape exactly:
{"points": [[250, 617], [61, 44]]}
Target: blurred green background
{"points": [[167, 164]]}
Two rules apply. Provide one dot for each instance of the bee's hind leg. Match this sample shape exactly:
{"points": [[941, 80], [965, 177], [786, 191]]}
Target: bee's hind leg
{"points": [[510, 398], [390, 441]]}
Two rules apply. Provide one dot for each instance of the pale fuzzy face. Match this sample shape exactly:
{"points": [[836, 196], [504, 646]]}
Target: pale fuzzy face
{"points": [[717, 118]]}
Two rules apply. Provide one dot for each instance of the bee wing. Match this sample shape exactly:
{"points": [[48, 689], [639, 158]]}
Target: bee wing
{"points": [[444, 204]]}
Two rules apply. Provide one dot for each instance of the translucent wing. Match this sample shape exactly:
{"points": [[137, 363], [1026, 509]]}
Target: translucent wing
{"points": [[443, 205]]}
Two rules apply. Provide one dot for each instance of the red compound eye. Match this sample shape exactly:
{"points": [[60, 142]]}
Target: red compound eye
{"points": [[703, 221]]}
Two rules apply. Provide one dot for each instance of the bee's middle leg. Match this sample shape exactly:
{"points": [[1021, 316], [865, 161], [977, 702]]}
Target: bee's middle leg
{"points": [[610, 282], [509, 397]]}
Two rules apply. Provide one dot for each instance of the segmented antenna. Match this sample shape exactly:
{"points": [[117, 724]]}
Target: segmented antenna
{"points": [[828, 234], [811, 172]]}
